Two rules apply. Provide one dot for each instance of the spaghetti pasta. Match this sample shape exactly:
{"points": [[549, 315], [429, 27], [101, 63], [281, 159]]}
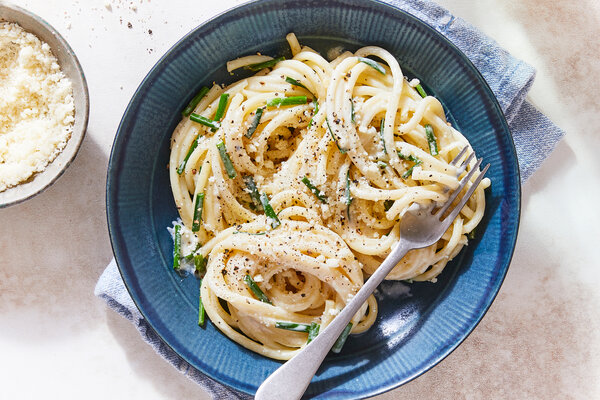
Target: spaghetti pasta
{"points": [[304, 180]]}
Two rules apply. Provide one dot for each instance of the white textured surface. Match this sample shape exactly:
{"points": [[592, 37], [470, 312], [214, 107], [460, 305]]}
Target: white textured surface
{"points": [[540, 339]]}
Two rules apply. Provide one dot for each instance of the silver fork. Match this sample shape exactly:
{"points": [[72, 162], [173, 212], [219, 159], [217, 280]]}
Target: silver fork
{"points": [[418, 228]]}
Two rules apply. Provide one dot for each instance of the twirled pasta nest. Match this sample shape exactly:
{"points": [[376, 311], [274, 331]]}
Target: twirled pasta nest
{"points": [[293, 183]]}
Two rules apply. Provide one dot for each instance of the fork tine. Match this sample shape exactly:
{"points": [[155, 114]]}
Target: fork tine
{"points": [[460, 187], [460, 154], [448, 220], [463, 166], [465, 163]]}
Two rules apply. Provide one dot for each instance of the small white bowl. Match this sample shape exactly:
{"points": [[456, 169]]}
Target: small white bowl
{"points": [[72, 70]]}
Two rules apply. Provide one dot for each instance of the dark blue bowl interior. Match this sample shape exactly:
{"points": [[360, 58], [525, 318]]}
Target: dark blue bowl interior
{"points": [[418, 324]]}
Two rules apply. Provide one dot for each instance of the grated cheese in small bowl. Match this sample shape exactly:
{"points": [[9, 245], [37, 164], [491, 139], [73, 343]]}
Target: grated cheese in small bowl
{"points": [[37, 109], [44, 105]]}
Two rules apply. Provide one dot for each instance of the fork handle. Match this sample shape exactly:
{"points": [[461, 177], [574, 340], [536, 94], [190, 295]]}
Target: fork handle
{"points": [[291, 379]]}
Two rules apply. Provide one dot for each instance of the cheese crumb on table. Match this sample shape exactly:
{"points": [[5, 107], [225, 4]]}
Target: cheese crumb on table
{"points": [[36, 106]]}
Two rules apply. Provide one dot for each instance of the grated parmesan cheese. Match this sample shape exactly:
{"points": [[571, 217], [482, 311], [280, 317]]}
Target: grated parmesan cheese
{"points": [[333, 311], [36, 106], [414, 82], [334, 52]]}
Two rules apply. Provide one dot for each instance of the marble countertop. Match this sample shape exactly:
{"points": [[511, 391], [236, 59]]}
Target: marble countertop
{"points": [[539, 340]]}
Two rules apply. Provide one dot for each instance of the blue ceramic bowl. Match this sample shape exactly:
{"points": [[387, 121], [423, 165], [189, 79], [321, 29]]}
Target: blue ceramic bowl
{"points": [[412, 333]]}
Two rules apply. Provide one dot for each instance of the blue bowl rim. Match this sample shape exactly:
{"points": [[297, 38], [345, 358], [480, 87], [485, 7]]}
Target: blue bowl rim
{"points": [[121, 138]]}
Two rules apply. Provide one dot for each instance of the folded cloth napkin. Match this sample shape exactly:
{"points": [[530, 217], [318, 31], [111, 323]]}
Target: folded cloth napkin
{"points": [[534, 135]]}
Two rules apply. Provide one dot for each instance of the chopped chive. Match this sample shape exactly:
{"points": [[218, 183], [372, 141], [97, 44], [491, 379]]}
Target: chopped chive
{"points": [[255, 289], [471, 235], [254, 195], [292, 326], [190, 256], [433, 147], [176, 247], [226, 160], [253, 190], [269, 212], [257, 116], [409, 158], [373, 64], [264, 64], [201, 311], [198, 212], [382, 164], [316, 103], [388, 204], [381, 135], [352, 112], [314, 190], [205, 121], [200, 263], [421, 90], [343, 151], [251, 233], [181, 166], [287, 101], [313, 331], [339, 343], [294, 82], [348, 194], [409, 171], [222, 106], [194, 102]]}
